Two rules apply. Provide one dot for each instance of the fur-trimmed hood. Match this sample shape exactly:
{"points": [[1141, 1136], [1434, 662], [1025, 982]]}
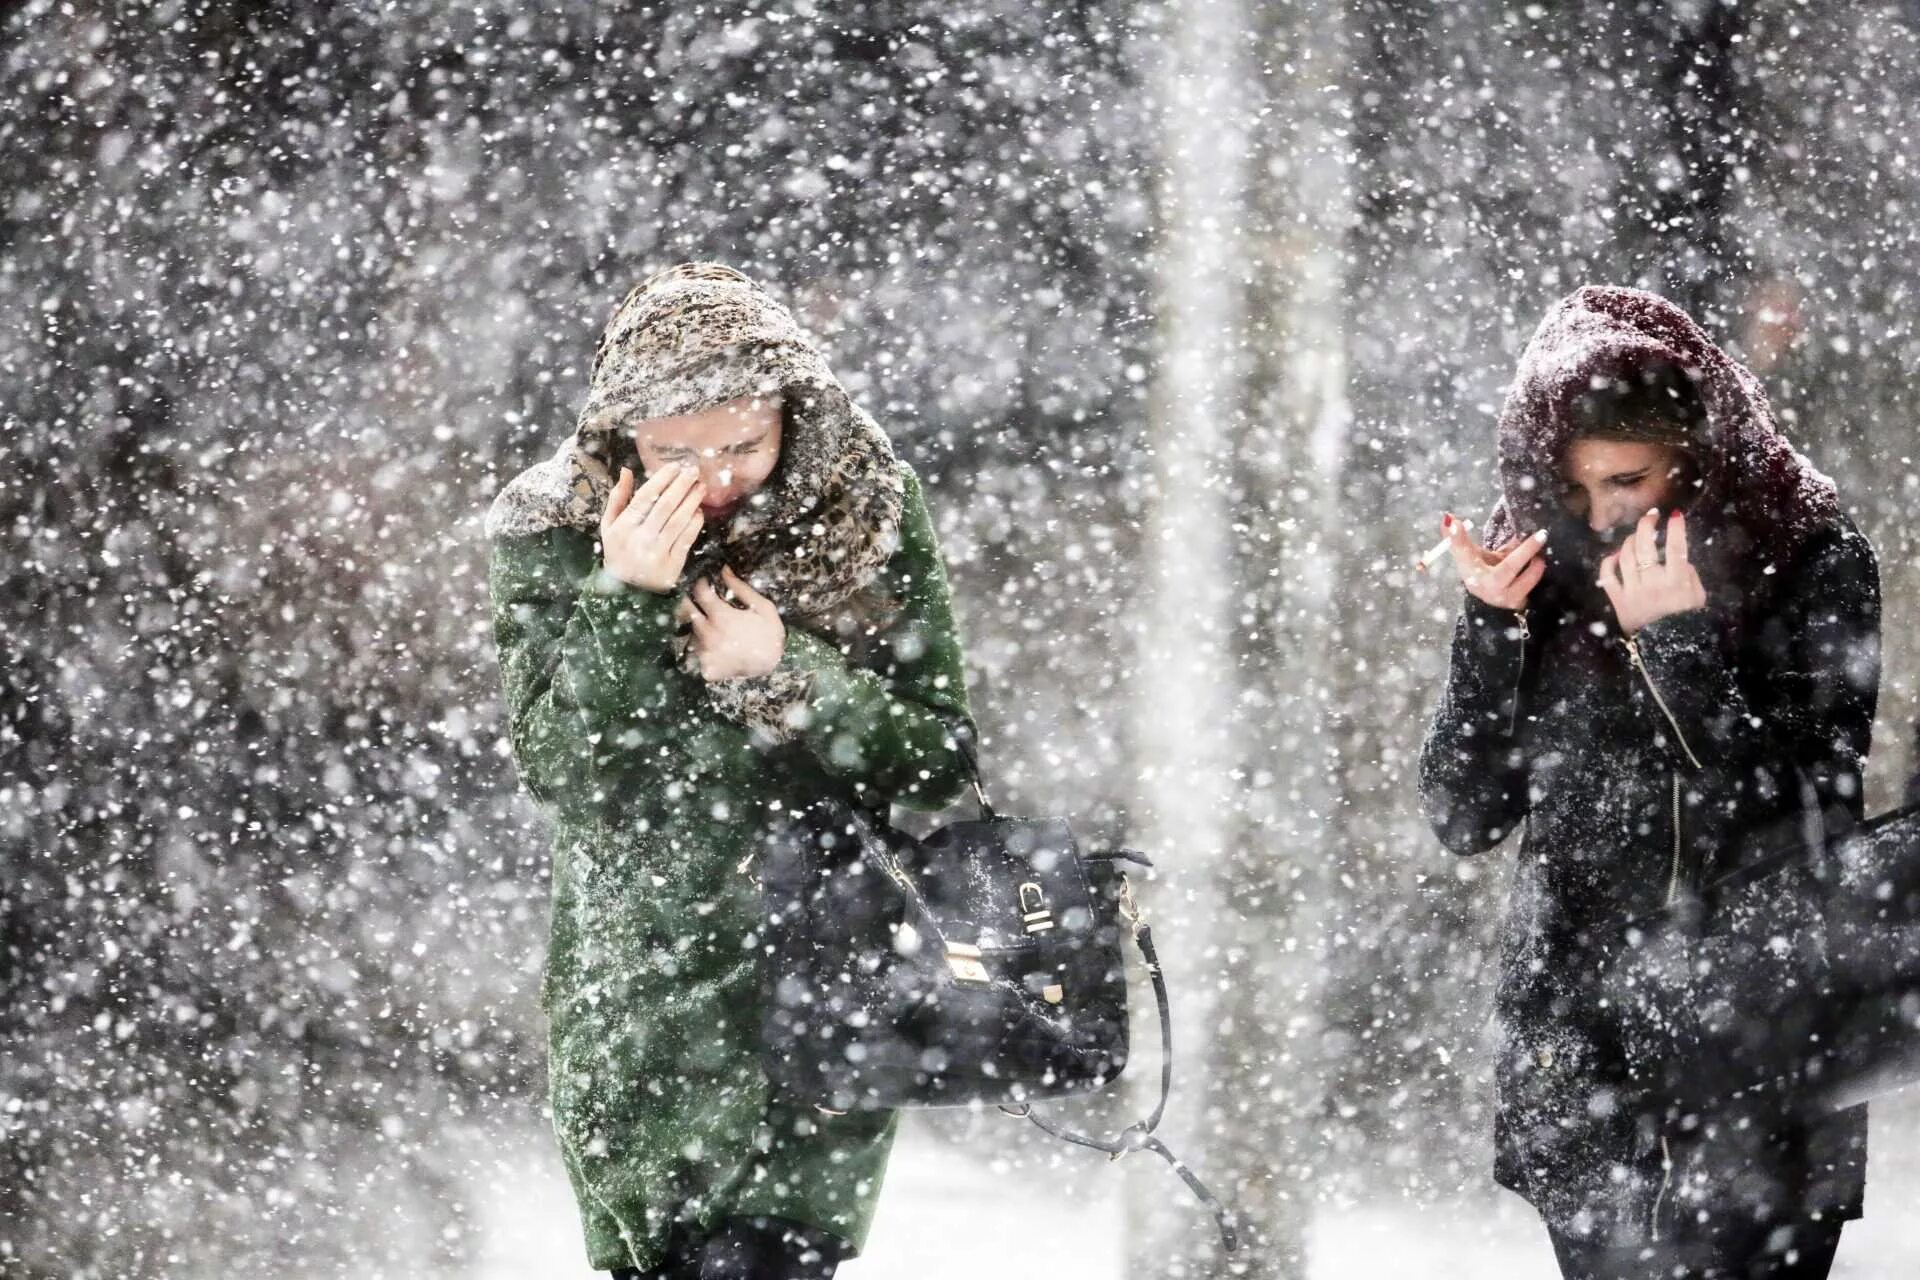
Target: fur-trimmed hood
{"points": [[1759, 499], [694, 336]]}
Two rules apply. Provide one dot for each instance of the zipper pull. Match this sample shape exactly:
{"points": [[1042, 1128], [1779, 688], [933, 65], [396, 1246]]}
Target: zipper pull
{"points": [[1520, 672]]}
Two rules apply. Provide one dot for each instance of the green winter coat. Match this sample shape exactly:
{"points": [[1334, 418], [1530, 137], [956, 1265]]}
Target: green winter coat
{"points": [[657, 782], [651, 981]]}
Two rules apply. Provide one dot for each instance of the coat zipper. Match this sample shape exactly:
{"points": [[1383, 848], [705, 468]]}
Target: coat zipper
{"points": [[1673, 891], [1666, 1184], [1633, 654], [1673, 879], [1519, 675]]}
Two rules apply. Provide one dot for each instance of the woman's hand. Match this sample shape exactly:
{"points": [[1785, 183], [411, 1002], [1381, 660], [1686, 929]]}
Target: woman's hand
{"points": [[645, 536], [1642, 586], [1502, 576], [732, 641]]}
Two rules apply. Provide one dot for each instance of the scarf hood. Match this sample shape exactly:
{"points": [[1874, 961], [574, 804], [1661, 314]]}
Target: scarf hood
{"points": [[1759, 499], [692, 337]]}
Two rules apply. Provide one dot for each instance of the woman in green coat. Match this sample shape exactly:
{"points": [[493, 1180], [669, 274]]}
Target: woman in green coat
{"points": [[721, 599]]}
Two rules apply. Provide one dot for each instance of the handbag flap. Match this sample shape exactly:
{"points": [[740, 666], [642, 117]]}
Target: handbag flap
{"points": [[1005, 883]]}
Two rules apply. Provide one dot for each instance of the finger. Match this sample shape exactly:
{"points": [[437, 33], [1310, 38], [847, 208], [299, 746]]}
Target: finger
{"points": [[1486, 555], [661, 477], [706, 599], [618, 497], [1530, 578], [687, 508], [743, 590], [1467, 559], [1677, 540], [1610, 581], [1508, 568], [1626, 562], [1646, 539], [683, 534], [668, 503], [649, 492], [694, 609], [642, 498]]}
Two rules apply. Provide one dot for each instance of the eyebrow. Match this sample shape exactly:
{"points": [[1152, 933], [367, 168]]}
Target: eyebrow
{"points": [[742, 446]]}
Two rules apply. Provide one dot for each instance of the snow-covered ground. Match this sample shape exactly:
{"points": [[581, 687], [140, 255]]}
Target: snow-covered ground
{"points": [[951, 1215]]}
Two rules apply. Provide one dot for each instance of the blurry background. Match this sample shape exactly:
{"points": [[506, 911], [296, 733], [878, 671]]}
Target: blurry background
{"points": [[1195, 316]]}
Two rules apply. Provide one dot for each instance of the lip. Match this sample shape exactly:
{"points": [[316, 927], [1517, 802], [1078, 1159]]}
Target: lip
{"points": [[717, 513]]}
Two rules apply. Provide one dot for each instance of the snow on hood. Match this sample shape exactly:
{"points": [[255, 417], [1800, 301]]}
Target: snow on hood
{"points": [[694, 336], [1759, 497]]}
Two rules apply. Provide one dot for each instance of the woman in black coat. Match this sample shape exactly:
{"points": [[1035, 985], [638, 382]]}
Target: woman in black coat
{"points": [[1670, 638]]}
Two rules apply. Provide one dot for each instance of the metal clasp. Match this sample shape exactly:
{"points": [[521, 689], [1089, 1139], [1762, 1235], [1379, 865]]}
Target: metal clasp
{"points": [[1129, 908], [963, 961]]}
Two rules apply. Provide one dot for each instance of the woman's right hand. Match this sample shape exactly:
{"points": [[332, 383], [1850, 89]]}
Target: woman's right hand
{"points": [[645, 535], [1502, 576]]}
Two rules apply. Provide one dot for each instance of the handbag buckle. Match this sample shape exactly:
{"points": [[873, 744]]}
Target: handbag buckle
{"points": [[1034, 916], [963, 961]]}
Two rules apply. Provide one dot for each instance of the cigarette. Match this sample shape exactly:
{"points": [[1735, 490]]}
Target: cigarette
{"points": [[1438, 549]]}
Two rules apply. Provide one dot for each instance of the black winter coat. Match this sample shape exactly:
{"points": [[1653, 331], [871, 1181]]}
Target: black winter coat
{"points": [[1550, 728], [1632, 772]]}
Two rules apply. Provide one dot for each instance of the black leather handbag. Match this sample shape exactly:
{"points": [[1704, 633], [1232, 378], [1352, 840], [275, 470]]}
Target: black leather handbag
{"points": [[1793, 979], [983, 964]]}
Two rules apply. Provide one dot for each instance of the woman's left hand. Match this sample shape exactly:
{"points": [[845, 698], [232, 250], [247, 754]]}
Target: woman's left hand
{"points": [[732, 641], [1642, 586]]}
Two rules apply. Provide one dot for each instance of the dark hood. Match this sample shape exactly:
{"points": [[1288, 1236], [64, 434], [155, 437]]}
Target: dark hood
{"points": [[1759, 499]]}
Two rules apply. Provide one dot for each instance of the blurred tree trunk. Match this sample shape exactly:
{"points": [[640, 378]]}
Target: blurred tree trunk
{"points": [[1267, 1067], [1250, 424], [1187, 679]]}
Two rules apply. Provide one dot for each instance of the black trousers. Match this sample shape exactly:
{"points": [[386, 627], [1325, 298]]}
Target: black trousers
{"points": [[746, 1249], [1794, 1251]]}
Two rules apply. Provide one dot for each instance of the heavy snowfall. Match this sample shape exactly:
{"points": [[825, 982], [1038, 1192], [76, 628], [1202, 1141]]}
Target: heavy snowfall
{"points": [[1193, 318]]}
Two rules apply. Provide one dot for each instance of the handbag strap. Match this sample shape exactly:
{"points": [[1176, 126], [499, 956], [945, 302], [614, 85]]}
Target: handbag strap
{"points": [[965, 736], [1139, 1136]]}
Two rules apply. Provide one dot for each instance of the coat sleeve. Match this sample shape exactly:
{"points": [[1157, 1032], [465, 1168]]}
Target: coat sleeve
{"points": [[1813, 680], [585, 660], [1473, 785], [887, 729]]}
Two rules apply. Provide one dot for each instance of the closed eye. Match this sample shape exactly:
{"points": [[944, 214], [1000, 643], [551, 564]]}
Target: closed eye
{"points": [[1627, 481]]}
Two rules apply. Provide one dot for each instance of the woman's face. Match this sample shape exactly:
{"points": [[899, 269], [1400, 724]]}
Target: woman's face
{"points": [[734, 445], [1609, 484]]}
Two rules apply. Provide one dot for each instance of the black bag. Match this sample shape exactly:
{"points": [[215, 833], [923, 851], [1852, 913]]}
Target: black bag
{"points": [[981, 965], [1793, 979]]}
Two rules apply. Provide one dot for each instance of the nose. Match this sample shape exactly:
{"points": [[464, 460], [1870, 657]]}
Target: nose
{"points": [[1614, 518]]}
